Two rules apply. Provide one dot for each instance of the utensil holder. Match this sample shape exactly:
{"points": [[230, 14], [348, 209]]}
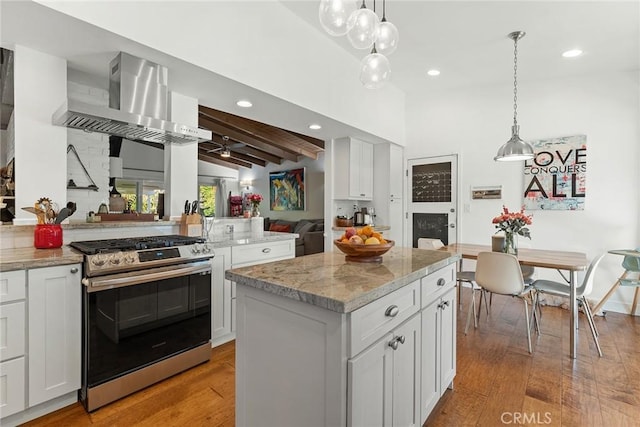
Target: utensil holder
{"points": [[47, 236]]}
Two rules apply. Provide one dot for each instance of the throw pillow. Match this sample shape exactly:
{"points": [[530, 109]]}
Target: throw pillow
{"points": [[305, 228], [280, 228]]}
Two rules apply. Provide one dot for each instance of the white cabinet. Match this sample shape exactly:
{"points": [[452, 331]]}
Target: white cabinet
{"points": [[54, 323], [223, 291], [438, 339], [12, 341], [384, 380], [353, 169], [220, 298], [388, 185]]}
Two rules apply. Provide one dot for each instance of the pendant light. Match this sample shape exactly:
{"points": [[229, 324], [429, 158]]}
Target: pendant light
{"points": [[334, 15], [375, 71], [388, 36], [363, 27], [515, 149]]}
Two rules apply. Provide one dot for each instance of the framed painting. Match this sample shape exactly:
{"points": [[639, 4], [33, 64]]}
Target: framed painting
{"points": [[287, 190]]}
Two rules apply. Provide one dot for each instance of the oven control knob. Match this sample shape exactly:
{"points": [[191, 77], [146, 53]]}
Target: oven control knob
{"points": [[115, 260], [206, 249], [98, 261], [129, 259], [195, 249]]}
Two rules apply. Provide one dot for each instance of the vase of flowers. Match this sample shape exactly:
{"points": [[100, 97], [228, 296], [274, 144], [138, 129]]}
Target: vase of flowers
{"points": [[255, 200], [513, 224]]}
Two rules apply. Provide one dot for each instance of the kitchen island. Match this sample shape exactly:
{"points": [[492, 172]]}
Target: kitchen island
{"points": [[325, 342]]}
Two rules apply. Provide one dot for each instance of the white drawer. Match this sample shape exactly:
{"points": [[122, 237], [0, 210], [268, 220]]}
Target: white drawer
{"points": [[372, 321], [12, 285], [437, 282], [260, 253], [12, 385], [12, 330]]}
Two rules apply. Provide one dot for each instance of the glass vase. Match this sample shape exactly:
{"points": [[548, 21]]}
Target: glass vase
{"points": [[511, 243], [254, 211]]}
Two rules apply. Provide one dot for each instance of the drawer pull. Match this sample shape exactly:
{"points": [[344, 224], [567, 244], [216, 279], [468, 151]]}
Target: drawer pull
{"points": [[441, 282], [443, 304], [74, 270], [266, 250], [396, 341], [392, 311]]}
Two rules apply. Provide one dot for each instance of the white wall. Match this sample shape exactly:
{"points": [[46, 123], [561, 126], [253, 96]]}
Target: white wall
{"points": [[258, 43], [40, 148], [314, 185], [475, 122]]}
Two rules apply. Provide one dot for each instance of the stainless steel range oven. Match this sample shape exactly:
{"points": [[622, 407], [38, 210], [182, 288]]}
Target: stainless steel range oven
{"points": [[146, 313]]}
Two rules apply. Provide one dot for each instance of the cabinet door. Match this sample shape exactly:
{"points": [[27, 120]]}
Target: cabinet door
{"points": [[430, 384], [220, 297], [447, 339], [11, 387], [12, 330], [365, 168], [54, 299], [396, 172], [406, 375], [396, 222], [369, 391]]}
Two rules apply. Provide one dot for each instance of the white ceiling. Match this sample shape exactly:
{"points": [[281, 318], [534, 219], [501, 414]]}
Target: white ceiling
{"points": [[467, 41]]}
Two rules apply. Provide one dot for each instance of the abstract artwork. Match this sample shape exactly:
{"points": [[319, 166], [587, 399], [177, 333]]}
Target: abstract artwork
{"points": [[556, 177], [287, 190]]}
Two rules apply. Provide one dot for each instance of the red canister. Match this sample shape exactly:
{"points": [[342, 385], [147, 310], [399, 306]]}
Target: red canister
{"points": [[47, 236]]}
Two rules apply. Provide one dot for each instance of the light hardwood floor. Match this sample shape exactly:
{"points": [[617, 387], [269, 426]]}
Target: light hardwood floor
{"points": [[498, 382]]}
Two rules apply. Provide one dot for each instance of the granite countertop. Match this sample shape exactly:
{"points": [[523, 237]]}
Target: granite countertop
{"points": [[375, 227], [326, 280], [24, 258], [30, 257], [246, 238]]}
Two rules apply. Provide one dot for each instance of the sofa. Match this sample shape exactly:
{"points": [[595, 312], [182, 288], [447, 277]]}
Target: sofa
{"points": [[310, 232]]}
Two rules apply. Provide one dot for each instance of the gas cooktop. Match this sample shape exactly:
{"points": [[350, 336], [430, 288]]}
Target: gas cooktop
{"points": [[92, 247]]}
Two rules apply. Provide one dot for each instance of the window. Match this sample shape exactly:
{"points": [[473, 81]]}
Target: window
{"points": [[207, 195], [141, 195]]}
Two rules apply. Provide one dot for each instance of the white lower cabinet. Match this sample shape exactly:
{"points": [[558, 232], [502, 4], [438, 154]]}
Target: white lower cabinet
{"points": [[54, 301], [223, 291], [385, 364], [220, 298], [384, 380], [438, 349], [12, 387]]}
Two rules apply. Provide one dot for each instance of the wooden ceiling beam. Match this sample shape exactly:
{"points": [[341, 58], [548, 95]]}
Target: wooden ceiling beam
{"points": [[282, 138], [225, 159], [245, 149], [205, 150], [215, 161], [220, 129], [311, 140]]}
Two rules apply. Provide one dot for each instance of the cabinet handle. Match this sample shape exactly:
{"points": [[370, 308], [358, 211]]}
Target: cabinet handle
{"points": [[393, 344], [441, 282], [443, 304], [266, 250], [362, 194], [392, 311], [74, 270], [401, 339]]}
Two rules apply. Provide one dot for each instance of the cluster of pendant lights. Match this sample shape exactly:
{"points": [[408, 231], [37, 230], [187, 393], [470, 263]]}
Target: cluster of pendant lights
{"points": [[364, 30]]}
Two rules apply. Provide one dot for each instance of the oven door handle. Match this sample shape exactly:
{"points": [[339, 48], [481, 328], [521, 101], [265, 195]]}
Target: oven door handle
{"points": [[137, 277]]}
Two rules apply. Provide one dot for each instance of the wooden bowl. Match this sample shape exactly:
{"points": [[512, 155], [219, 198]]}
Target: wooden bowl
{"points": [[364, 253]]}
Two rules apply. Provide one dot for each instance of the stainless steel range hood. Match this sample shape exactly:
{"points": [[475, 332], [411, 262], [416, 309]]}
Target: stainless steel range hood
{"points": [[138, 106]]}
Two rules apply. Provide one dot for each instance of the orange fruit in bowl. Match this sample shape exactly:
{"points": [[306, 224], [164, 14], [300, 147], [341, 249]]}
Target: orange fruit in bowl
{"points": [[372, 241]]}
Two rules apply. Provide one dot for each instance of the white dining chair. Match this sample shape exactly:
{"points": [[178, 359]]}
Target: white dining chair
{"points": [[501, 274], [551, 287]]}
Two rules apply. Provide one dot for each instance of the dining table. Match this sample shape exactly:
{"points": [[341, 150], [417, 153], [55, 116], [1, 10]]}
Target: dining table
{"points": [[573, 262]]}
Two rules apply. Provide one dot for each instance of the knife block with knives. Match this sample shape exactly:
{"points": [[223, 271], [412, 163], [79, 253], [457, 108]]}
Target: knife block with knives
{"points": [[191, 220]]}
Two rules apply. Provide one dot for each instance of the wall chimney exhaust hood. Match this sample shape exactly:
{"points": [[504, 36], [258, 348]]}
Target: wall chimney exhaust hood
{"points": [[138, 106]]}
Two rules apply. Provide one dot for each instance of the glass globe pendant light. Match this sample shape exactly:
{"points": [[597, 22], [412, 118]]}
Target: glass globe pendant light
{"points": [[363, 27], [334, 15], [388, 36], [375, 71], [515, 149]]}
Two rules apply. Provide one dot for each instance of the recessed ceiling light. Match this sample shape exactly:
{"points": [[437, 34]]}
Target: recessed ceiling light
{"points": [[433, 73], [244, 103], [315, 126], [572, 53]]}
